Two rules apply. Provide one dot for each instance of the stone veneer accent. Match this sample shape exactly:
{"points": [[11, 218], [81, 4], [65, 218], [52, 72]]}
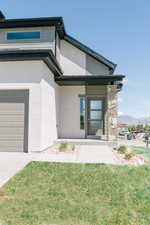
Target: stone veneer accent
{"points": [[111, 115]]}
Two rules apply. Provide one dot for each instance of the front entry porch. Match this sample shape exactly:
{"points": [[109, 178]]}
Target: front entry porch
{"points": [[88, 107]]}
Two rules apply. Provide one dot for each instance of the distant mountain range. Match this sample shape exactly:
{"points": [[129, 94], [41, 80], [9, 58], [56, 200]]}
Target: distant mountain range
{"points": [[132, 120]]}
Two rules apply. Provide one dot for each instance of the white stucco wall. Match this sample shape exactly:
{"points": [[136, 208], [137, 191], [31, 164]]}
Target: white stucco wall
{"points": [[33, 75], [72, 60], [75, 62], [49, 109], [70, 112], [47, 38]]}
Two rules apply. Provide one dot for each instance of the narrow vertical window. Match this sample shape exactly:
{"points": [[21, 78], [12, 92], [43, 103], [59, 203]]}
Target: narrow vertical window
{"points": [[82, 113]]}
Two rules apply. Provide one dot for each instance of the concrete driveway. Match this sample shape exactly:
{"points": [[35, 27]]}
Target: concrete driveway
{"points": [[11, 163]]}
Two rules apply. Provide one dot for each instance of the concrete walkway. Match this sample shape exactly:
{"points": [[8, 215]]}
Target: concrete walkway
{"points": [[12, 163], [83, 154]]}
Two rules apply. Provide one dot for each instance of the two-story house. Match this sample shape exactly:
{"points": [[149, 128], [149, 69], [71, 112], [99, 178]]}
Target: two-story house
{"points": [[52, 86]]}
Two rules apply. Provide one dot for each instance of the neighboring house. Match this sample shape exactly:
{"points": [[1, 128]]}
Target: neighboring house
{"points": [[122, 126], [52, 86]]}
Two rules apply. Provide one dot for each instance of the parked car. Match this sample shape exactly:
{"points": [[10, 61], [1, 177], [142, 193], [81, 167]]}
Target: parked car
{"points": [[124, 132], [147, 133]]}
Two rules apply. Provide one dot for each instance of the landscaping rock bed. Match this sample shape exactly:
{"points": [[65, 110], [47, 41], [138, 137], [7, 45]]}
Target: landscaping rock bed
{"points": [[134, 161], [128, 158]]}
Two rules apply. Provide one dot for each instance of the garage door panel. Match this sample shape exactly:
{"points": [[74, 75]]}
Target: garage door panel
{"points": [[12, 120], [10, 148], [11, 107], [12, 143], [15, 119], [11, 138], [11, 131], [10, 124]]}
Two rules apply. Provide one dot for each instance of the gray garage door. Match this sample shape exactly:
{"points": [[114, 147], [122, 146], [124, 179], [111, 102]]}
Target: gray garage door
{"points": [[14, 121]]}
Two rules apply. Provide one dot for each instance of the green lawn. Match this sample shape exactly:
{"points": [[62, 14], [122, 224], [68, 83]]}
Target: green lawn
{"points": [[77, 194], [145, 152]]}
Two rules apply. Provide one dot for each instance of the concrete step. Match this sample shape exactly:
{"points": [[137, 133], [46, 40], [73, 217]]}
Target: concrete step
{"points": [[87, 142]]}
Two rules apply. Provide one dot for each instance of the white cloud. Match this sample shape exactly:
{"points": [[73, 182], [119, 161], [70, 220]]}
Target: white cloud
{"points": [[120, 113], [125, 81], [120, 99]]}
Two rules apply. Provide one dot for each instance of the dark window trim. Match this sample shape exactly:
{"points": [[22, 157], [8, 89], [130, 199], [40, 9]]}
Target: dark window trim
{"points": [[26, 122], [103, 110], [103, 99], [82, 127]]}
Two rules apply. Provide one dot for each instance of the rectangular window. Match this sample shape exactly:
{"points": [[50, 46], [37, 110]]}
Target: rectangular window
{"points": [[23, 35], [82, 113]]}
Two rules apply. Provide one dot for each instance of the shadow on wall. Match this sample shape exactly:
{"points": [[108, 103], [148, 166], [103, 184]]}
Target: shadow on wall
{"points": [[82, 60], [73, 54]]}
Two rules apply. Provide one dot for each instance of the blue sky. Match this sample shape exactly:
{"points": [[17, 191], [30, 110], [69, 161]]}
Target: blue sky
{"points": [[118, 29]]}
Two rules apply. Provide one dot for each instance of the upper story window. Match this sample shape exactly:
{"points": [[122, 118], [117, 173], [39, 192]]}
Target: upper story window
{"points": [[23, 35]]}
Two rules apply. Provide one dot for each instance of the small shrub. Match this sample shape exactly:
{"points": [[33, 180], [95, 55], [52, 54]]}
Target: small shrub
{"points": [[66, 147], [63, 147], [129, 156], [2, 192], [70, 147], [122, 149]]}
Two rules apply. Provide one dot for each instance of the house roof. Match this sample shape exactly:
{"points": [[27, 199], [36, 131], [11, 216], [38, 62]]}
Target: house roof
{"points": [[35, 22], [89, 80], [23, 55], [60, 27]]}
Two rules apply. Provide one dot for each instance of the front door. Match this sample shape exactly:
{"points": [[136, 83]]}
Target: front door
{"points": [[94, 117]]}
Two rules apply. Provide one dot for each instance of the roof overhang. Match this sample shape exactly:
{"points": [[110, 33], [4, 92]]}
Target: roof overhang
{"points": [[60, 28], [89, 80], [29, 55], [35, 22]]}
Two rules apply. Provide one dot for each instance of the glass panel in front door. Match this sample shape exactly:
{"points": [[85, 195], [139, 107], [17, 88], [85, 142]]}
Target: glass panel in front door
{"points": [[94, 117], [95, 104]]}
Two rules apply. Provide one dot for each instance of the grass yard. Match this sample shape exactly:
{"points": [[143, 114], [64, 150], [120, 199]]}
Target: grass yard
{"points": [[77, 194], [145, 152]]}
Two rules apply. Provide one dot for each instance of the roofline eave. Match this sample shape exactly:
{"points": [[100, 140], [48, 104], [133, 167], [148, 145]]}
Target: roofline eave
{"points": [[60, 27], [89, 80], [31, 55]]}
